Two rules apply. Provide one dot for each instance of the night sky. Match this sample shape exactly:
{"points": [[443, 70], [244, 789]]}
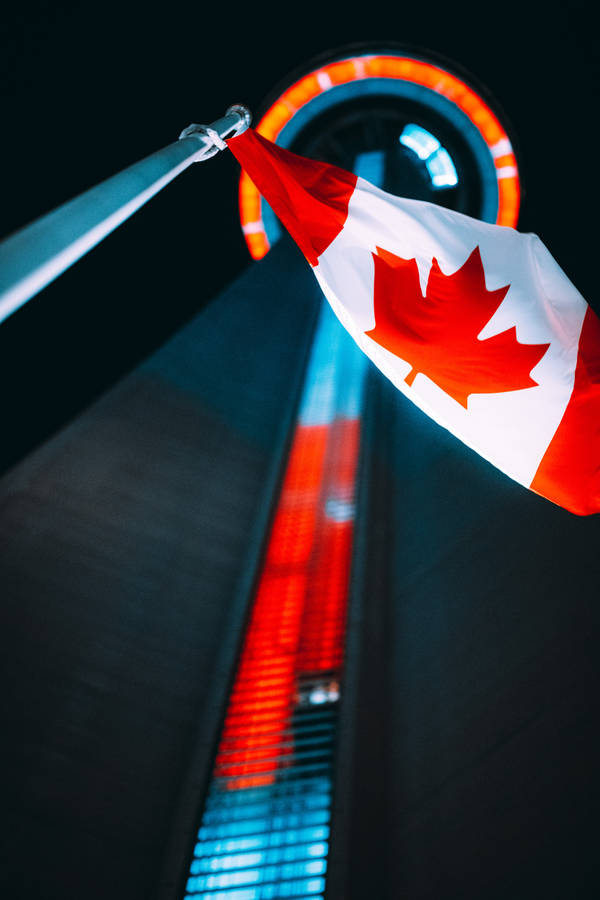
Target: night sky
{"points": [[89, 89]]}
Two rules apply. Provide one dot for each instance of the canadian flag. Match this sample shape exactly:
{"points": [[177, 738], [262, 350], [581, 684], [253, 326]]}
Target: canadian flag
{"points": [[475, 323]]}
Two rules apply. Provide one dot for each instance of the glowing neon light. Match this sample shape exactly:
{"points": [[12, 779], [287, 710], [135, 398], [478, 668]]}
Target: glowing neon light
{"points": [[265, 827], [437, 160], [419, 141], [401, 68], [441, 169]]}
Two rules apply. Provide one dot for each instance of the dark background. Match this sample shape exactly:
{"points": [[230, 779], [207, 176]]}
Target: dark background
{"points": [[88, 89], [473, 691]]}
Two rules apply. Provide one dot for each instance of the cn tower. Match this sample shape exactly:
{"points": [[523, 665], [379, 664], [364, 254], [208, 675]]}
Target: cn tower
{"points": [[269, 631]]}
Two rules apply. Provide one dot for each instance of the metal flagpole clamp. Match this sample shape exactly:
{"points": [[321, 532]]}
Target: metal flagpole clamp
{"points": [[234, 122], [37, 254]]}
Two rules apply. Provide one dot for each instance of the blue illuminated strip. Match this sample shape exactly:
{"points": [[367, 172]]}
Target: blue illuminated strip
{"points": [[259, 874], [222, 812], [306, 889], [264, 840], [260, 857]]}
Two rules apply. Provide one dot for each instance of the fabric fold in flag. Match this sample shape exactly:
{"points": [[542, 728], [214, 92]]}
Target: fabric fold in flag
{"points": [[475, 323]]}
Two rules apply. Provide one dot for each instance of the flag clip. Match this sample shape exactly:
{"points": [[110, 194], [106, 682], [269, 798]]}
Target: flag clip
{"points": [[236, 119]]}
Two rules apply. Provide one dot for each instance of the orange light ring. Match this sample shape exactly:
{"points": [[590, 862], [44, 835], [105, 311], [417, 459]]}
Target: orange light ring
{"points": [[400, 68]]}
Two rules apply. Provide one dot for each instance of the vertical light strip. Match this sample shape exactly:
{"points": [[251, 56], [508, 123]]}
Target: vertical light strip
{"points": [[264, 832]]}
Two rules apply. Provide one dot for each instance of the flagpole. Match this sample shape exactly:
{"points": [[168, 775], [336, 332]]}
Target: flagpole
{"points": [[38, 253]]}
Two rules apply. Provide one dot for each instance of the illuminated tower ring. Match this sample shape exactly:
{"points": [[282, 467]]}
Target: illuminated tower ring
{"points": [[350, 89]]}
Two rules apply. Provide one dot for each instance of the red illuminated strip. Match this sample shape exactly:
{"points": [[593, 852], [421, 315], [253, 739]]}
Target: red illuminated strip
{"points": [[298, 620], [379, 66], [322, 639]]}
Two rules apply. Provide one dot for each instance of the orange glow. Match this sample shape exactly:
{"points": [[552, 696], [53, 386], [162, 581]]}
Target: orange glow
{"points": [[273, 121], [401, 68], [507, 160], [297, 624], [253, 781], [340, 72], [303, 91], [510, 196], [321, 646]]}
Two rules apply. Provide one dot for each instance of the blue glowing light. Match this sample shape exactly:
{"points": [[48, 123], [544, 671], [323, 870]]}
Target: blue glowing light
{"points": [[441, 168], [339, 510], [419, 141], [214, 848], [335, 374], [439, 164]]}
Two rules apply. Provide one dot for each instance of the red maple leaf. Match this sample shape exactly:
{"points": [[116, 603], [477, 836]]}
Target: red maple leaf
{"points": [[437, 333]]}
